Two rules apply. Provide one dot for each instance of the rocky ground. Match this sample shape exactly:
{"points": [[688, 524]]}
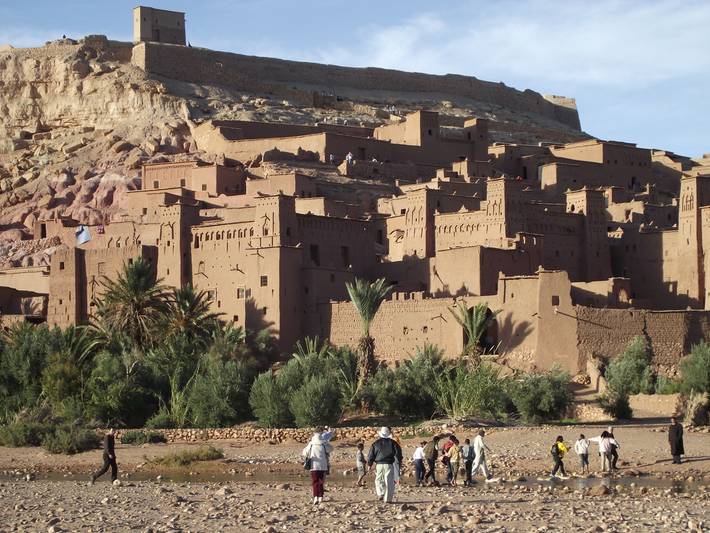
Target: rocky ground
{"points": [[152, 506], [261, 487]]}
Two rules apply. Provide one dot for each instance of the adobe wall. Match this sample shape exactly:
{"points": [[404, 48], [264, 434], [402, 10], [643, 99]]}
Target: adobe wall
{"points": [[258, 74], [605, 333]]}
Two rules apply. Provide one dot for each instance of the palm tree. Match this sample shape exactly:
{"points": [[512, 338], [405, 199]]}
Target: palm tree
{"points": [[475, 322], [189, 313], [367, 297], [132, 305]]}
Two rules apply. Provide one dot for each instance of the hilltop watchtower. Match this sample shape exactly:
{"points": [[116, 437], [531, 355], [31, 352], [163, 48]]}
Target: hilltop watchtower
{"points": [[158, 25]]}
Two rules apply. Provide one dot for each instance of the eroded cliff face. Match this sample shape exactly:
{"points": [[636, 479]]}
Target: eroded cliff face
{"points": [[77, 119]]}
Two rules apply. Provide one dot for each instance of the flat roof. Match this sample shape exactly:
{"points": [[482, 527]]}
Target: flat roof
{"points": [[158, 9]]}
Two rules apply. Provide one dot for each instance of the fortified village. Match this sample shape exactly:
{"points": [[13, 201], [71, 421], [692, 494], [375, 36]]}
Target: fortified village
{"points": [[451, 188]]}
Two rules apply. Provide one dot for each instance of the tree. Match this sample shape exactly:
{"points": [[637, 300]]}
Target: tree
{"points": [[367, 297], [696, 369], [132, 305], [474, 321], [188, 312]]}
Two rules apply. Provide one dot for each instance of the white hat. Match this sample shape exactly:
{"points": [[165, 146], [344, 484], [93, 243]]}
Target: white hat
{"points": [[385, 432]]}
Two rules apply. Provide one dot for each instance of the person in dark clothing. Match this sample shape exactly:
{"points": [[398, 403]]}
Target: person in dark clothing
{"points": [[431, 452], [675, 439], [387, 455], [109, 457], [469, 455], [614, 449]]}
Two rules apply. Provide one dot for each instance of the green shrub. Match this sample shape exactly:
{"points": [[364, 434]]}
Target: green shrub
{"points": [[695, 369], [23, 433], [408, 390], [160, 420], [616, 404], [479, 391], [269, 401], [316, 403], [70, 439], [187, 457], [667, 386], [542, 396], [630, 372], [138, 437], [219, 396]]}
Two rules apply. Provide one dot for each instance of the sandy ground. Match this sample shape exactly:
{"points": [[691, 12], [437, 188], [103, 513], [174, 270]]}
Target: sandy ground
{"points": [[261, 487]]}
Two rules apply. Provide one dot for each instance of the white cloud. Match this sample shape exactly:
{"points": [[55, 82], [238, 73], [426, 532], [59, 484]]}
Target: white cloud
{"points": [[611, 43]]}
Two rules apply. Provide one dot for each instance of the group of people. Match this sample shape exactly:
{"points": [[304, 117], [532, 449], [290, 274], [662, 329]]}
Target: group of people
{"points": [[385, 457]]}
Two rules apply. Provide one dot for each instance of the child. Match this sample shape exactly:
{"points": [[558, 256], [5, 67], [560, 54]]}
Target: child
{"points": [[558, 451], [418, 460], [360, 463], [581, 448]]}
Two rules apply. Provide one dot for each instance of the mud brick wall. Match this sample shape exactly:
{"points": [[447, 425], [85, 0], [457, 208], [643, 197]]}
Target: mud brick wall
{"points": [[199, 65], [671, 334]]}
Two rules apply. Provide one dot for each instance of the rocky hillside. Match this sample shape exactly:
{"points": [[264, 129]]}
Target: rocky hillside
{"points": [[77, 119]]}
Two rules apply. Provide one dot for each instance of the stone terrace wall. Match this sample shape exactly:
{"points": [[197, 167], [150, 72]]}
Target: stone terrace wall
{"points": [[671, 334], [258, 74], [256, 434]]}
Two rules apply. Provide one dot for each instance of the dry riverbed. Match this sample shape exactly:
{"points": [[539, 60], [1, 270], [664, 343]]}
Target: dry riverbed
{"points": [[261, 487]]}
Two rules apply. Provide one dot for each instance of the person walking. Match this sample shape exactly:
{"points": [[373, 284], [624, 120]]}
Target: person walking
{"points": [[384, 453], [581, 448], [431, 453], [613, 449], [480, 448], [454, 455], [467, 455], [558, 451], [109, 456], [445, 459], [418, 459], [315, 456], [360, 464], [675, 439], [606, 443]]}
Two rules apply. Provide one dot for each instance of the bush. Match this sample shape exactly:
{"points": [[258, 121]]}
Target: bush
{"points": [[542, 396], [138, 437], [630, 372], [616, 404], [269, 401], [667, 386], [462, 391], [316, 403], [408, 390], [70, 439], [23, 433], [187, 457], [219, 396], [696, 369], [160, 420]]}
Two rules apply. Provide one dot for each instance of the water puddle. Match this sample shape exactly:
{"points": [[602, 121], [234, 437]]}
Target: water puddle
{"points": [[338, 479]]}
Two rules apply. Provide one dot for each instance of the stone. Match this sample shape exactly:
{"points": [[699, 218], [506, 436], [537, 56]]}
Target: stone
{"points": [[121, 146], [72, 147], [599, 490]]}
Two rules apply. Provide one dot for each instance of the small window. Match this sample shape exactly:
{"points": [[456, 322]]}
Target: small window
{"points": [[315, 254], [240, 292], [204, 186], [555, 301], [379, 236], [235, 318], [61, 265], [211, 295], [145, 210], [345, 255], [402, 211], [263, 311], [101, 269], [430, 133], [264, 281], [182, 182], [61, 301], [156, 184]]}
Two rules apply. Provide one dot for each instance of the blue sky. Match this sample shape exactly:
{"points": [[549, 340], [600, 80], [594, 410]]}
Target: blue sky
{"points": [[639, 69]]}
